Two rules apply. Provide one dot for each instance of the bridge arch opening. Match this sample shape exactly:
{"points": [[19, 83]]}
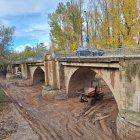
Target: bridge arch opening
{"points": [[38, 76], [86, 77], [81, 78]]}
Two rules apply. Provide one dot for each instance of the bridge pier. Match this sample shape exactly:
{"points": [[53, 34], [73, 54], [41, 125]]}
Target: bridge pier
{"points": [[128, 121], [54, 87], [24, 71], [10, 72], [54, 73], [50, 75]]}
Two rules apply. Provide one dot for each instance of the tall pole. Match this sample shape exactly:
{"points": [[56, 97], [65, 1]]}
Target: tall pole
{"points": [[81, 35], [87, 37], [86, 22]]}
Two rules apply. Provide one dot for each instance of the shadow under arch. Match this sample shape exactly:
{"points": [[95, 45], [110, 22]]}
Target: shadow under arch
{"points": [[84, 77], [38, 76], [81, 78]]}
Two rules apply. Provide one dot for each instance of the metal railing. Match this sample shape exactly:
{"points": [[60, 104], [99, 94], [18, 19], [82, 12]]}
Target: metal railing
{"points": [[65, 55], [29, 59], [112, 52], [122, 51]]}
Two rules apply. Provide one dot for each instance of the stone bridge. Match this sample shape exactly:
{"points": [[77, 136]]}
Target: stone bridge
{"points": [[121, 75], [32, 70]]}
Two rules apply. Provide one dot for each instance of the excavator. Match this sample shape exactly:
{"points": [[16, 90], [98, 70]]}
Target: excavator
{"points": [[91, 95]]}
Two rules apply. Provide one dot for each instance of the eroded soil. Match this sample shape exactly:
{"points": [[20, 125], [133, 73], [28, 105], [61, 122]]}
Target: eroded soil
{"points": [[63, 119]]}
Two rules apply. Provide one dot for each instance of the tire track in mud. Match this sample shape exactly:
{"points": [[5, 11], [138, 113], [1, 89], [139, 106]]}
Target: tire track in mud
{"points": [[44, 133], [78, 127], [72, 128], [67, 122], [85, 123], [54, 134], [32, 122], [86, 131], [24, 115], [97, 132]]}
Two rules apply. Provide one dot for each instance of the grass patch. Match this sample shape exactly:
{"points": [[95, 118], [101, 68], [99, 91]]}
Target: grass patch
{"points": [[3, 99]]}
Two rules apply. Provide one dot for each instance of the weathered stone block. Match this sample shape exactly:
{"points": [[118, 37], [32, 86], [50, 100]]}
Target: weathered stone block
{"points": [[126, 130], [24, 82], [10, 76], [54, 94]]}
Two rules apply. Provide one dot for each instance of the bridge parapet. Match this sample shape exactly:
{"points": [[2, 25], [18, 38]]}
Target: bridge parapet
{"points": [[109, 52], [28, 60]]}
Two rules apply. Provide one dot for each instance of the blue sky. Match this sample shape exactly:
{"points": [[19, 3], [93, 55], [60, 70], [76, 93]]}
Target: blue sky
{"points": [[30, 18]]}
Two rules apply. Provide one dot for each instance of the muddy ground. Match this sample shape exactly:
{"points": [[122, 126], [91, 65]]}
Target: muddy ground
{"points": [[60, 119]]}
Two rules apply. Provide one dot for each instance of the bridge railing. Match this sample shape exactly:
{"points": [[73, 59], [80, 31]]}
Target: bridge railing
{"points": [[124, 51], [29, 59], [64, 54]]}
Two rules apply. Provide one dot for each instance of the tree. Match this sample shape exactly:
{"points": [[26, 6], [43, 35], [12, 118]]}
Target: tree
{"points": [[56, 24], [118, 24], [111, 23], [65, 25], [6, 38], [131, 19], [40, 49]]}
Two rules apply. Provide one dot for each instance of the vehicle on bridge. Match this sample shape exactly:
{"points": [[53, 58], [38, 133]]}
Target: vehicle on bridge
{"points": [[89, 51], [91, 95]]}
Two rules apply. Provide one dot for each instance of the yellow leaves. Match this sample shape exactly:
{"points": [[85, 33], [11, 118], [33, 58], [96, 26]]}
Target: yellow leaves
{"points": [[111, 23], [129, 41], [130, 11]]}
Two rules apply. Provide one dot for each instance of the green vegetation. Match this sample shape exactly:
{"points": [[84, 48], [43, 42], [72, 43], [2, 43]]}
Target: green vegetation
{"points": [[6, 52], [3, 100], [111, 23], [6, 37], [66, 23], [38, 50]]}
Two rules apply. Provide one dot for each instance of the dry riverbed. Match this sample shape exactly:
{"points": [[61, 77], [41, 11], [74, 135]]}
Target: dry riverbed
{"points": [[36, 118]]}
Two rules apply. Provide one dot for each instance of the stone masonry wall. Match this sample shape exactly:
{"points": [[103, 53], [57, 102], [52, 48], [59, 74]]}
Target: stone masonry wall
{"points": [[127, 130]]}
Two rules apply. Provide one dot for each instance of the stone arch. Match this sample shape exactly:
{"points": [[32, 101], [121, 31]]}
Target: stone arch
{"points": [[112, 80], [103, 76], [38, 75], [83, 77]]}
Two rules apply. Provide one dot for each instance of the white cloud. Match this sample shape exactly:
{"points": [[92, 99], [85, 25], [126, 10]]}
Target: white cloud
{"points": [[18, 7], [47, 44], [15, 7], [21, 48]]}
